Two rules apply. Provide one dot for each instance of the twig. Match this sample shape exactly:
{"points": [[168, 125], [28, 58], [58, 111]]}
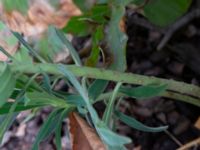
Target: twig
{"points": [[177, 25], [195, 142], [135, 19], [173, 138]]}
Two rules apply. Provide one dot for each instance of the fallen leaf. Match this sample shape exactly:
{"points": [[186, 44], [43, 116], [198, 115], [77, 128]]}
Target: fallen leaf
{"points": [[197, 123], [39, 16], [83, 137]]}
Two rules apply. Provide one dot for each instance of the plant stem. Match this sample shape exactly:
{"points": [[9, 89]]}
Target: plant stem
{"points": [[109, 109], [116, 76]]}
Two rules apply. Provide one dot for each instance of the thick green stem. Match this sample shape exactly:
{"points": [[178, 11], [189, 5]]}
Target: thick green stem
{"points": [[96, 73]]}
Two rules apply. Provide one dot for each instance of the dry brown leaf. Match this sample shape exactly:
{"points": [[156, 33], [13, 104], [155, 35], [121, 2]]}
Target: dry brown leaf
{"points": [[40, 15], [83, 136], [197, 123]]}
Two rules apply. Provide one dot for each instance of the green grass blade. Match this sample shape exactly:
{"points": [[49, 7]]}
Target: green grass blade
{"points": [[53, 123], [7, 85], [28, 47], [110, 106], [96, 88], [19, 107], [69, 46], [138, 125], [112, 138], [6, 53], [45, 99], [58, 137], [47, 128]]}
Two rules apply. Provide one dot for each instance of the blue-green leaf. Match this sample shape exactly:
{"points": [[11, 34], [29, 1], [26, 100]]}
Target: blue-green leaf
{"points": [[69, 46], [44, 99], [144, 92], [138, 125], [96, 88], [7, 85], [19, 107], [47, 128], [81, 91], [110, 137]]}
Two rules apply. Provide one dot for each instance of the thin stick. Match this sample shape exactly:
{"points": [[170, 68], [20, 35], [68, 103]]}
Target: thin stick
{"points": [[173, 138], [195, 142], [177, 25]]}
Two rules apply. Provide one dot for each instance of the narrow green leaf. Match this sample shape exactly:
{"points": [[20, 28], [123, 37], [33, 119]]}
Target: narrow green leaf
{"points": [[46, 83], [22, 55], [9, 118], [96, 39], [53, 123], [110, 137], [144, 92], [75, 100], [23, 79], [45, 99], [7, 85], [81, 91], [47, 128], [110, 106], [6, 53], [58, 137], [49, 45], [20, 107], [69, 46], [58, 128], [5, 124], [138, 125], [96, 88], [28, 47]]}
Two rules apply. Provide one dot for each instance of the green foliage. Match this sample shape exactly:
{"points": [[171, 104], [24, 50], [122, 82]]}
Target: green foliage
{"points": [[7, 81], [164, 12], [89, 21], [96, 88], [144, 92], [136, 124], [50, 125], [38, 98], [101, 21], [96, 39]]}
